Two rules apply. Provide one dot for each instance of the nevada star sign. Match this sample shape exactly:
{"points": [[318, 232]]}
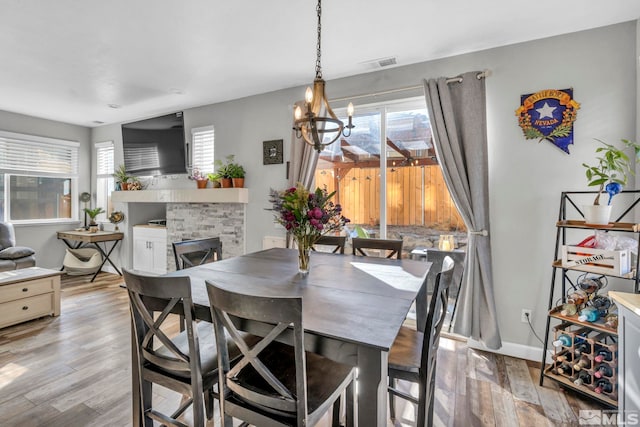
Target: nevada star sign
{"points": [[549, 115]]}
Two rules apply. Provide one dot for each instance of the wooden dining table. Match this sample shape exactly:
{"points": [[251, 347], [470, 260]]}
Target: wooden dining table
{"points": [[353, 308]]}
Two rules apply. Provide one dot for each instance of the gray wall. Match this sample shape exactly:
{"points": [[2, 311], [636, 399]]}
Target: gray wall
{"points": [[42, 238]]}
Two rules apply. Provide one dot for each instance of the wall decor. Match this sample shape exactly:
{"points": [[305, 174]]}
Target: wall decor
{"points": [[549, 115], [272, 152]]}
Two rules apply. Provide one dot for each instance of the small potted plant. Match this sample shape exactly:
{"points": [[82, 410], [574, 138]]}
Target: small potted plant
{"points": [[93, 213], [224, 170], [121, 177], [215, 178], [200, 179], [236, 173], [609, 174]]}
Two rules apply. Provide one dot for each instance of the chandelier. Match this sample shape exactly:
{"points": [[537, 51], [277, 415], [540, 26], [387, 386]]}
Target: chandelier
{"points": [[319, 120]]}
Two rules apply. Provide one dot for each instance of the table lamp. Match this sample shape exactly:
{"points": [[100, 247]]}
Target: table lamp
{"points": [[446, 242]]}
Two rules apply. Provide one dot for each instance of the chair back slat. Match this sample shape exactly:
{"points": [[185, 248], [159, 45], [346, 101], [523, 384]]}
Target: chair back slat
{"points": [[435, 319], [284, 314], [338, 243], [393, 246], [152, 299], [190, 253]]}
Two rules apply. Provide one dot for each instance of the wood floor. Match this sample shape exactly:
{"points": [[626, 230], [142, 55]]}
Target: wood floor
{"points": [[73, 370]]}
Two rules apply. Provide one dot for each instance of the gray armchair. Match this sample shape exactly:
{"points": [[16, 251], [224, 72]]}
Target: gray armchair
{"points": [[13, 257]]}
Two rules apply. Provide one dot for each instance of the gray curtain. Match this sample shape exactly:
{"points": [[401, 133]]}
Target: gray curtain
{"points": [[303, 159], [457, 111]]}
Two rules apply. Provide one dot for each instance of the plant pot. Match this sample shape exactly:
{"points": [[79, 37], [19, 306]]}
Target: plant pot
{"points": [[597, 214], [238, 182], [226, 182], [216, 183], [202, 183], [124, 185]]}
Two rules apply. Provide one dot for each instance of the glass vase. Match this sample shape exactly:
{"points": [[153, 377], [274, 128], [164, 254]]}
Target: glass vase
{"points": [[303, 259]]}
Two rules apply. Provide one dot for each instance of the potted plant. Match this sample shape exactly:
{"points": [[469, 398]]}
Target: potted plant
{"points": [[121, 177], [236, 173], [610, 175], [93, 213], [215, 178], [223, 170], [200, 179]]}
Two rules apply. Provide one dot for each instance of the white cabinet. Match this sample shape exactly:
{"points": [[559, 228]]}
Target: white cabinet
{"points": [[628, 355], [150, 249]]}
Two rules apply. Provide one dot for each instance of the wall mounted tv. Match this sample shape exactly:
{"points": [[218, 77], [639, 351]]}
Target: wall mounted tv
{"points": [[155, 146]]}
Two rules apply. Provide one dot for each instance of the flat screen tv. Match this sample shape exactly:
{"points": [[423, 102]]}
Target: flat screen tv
{"points": [[155, 146]]}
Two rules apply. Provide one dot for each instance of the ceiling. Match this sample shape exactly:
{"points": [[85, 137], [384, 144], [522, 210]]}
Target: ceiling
{"points": [[74, 60]]}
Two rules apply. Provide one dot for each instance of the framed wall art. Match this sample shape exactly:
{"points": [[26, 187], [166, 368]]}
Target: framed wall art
{"points": [[272, 152]]}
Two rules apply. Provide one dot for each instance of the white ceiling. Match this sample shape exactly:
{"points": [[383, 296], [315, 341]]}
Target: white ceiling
{"points": [[67, 60]]}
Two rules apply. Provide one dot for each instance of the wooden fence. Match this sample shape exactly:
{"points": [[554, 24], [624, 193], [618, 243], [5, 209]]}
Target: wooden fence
{"points": [[415, 196]]}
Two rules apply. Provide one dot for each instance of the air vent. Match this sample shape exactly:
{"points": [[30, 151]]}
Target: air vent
{"points": [[387, 62], [98, 122], [381, 62]]}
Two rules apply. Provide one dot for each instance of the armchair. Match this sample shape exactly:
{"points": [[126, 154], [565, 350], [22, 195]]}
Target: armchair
{"points": [[13, 257]]}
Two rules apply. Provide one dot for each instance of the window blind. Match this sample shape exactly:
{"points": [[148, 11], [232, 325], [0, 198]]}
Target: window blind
{"points": [[104, 159], [27, 153], [202, 149]]}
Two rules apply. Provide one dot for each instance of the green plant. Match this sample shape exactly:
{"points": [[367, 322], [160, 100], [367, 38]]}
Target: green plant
{"points": [[213, 177], [93, 213], [120, 174], [612, 169], [230, 169]]}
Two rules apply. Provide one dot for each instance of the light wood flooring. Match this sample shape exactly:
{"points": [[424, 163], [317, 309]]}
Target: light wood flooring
{"points": [[74, 370]]}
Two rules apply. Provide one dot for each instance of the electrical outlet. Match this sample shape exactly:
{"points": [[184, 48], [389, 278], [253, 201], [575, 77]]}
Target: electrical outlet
{"points": [[523, 315]]}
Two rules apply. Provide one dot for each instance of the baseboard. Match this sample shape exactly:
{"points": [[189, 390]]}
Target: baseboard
{"points": [[109, 269], [512, 349]]}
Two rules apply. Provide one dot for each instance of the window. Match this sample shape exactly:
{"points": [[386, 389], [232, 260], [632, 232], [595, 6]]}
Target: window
{"points": [[105, 183], [202, 151], [38, 177], [407, 196]]}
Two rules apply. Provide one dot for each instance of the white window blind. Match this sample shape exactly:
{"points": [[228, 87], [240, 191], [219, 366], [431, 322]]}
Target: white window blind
{"points": [[27, 153], [202, 149], [104, 159]]}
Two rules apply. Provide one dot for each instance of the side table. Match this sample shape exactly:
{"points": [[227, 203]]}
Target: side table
{"points": [[84, 238]]}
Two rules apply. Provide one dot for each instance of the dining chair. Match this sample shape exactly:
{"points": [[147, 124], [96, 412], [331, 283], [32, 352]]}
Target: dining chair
{"points": [[413, 354], [338, 243], [189, 253], [272, 383], [186, 363], [392, 247]]}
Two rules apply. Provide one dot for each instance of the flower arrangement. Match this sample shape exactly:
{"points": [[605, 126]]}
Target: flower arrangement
{"points": [[307, 216], [197, 175]]}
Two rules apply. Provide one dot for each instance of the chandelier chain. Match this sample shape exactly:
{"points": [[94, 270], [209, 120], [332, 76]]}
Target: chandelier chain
{"points": [[318, 50]]}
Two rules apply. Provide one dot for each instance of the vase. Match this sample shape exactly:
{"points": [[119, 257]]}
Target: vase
{"points": [[124, 186], [303, 259], [597, 214]]}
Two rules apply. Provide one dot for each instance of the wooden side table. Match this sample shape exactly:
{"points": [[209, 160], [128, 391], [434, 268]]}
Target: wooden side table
{"points": [[27, 294], [83, 238]]}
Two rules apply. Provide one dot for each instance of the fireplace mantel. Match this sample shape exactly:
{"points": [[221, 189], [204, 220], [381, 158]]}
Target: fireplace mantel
{"points": [[191, 195]]}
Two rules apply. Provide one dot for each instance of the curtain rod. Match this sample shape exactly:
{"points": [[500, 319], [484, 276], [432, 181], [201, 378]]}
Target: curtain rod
{"points": [[450, 80]]}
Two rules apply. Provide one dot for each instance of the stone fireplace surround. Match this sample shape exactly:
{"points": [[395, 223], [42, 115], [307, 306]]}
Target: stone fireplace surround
{"points": [[190, 214]]}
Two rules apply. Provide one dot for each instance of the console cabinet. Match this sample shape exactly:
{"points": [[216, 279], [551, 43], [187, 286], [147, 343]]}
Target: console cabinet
{"points": [[150, 249]]}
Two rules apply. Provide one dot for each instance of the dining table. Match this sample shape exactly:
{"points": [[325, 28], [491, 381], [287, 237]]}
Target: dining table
{"points": [[353, 308]]}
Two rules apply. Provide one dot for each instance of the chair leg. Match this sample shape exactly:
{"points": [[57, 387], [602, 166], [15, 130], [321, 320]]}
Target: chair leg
{"points": [[335, 421], [350, 405], [392, 406], [208, 403], [422, 409], [146, 391]]}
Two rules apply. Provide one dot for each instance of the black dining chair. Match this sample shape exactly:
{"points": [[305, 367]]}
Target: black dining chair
{"points": [[271, 383], [186, 363], [391, 247], [413, 354], [189, 253], [336, 242]]}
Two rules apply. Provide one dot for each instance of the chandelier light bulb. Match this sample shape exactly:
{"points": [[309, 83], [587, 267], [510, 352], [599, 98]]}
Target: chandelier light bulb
{"points": [[308, 95], [350, 109], [297, 113]]}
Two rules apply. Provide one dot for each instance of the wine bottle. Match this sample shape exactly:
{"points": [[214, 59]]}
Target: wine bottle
{"points": [[569, 309], [566, 340], [603, 386], [588, 314], [603, 370], [582, 348], [604, 353], [583, 378], [584, 362], [611, 320], [578, 297], [564, 369], [564, 357]]}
